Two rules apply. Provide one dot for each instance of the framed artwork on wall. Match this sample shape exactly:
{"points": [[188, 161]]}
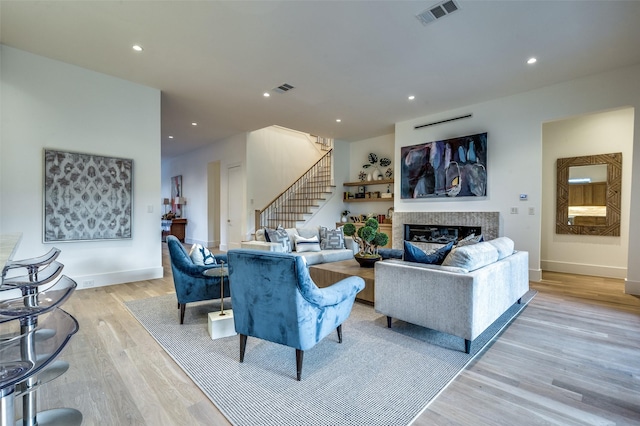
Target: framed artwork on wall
{"points": [[454, 167], [86, 197]]}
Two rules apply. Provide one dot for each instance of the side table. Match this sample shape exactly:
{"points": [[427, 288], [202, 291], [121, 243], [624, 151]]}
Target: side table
{"points": [[220, 323]]}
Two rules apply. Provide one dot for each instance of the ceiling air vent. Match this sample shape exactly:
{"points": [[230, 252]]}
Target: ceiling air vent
{"points": [[283, 88], [437, 11]]}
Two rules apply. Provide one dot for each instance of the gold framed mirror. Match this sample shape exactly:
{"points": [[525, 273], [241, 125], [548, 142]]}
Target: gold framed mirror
{"points": [[590, 206]]}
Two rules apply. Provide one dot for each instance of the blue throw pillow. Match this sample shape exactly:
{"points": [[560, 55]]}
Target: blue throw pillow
{"points": [[414, 254], [390, 253]]}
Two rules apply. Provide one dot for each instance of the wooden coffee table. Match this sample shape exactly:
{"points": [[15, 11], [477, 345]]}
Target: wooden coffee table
{"points": [[326, 274]]}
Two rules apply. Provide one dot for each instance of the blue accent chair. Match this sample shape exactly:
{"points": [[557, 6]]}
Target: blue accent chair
{"points": [[188, 278], [275, 299]]}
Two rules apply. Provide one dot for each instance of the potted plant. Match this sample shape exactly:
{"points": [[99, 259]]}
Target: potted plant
{"points": [[368, 239]]}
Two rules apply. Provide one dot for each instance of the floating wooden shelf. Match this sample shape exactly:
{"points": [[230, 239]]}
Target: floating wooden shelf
{"points": [[364, 200], [369, 182]]}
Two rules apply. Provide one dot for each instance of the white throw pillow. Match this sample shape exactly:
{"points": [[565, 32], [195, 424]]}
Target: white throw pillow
{"points": [[307, 244], [201, 255]]}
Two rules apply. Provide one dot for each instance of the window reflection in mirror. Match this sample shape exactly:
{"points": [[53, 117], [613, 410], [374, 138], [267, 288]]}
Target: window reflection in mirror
{"points": [[588, 195]]}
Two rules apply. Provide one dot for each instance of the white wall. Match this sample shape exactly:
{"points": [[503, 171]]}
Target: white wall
{"points": [[514, 127], [276, 158], [50, 104], [591, 134], [193, 168]]}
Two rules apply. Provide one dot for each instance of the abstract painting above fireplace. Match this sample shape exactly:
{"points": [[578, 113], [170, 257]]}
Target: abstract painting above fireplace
{"points": [[454, 167]]}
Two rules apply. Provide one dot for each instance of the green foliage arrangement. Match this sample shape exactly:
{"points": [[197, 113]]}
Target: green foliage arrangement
{"points": [[368, 238]]}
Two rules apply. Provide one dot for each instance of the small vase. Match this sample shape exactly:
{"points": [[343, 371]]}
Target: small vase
{"points": [[369, 176], [377, 174], [343, 219]]}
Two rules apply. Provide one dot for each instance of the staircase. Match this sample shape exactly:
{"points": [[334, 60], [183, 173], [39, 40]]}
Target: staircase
{"points": [[298, 201]]}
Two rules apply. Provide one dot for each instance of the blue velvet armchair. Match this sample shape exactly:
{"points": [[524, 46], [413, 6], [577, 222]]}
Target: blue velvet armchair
{"points": [[275, 299], [188, 278]]}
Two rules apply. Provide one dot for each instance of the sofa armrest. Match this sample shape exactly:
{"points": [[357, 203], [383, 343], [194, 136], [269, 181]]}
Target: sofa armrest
{"points": [[262, 245]]}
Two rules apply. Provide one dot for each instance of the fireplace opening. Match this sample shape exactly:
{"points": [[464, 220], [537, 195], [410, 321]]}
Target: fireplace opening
{"points": [[439, 234]]}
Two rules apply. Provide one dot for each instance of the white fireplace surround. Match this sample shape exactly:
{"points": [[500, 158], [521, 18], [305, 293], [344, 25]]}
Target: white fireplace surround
{"points": [[488, 221]]}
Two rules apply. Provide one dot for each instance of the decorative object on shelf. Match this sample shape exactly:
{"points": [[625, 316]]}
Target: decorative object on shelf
{"points": [[389, 173], [384, 162], [362, 176], [344, 219], [454, 167], [390, 213], [373, 158], [79, 189], [368, 239]]}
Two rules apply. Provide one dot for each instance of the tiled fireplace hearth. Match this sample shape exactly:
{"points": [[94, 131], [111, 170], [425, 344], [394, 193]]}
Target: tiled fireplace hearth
{"points": [[488, 222]]}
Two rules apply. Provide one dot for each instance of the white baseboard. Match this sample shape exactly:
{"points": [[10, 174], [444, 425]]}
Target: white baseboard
{"points": [[101, 280], [535, 274], [632, 287], [584, 269]]}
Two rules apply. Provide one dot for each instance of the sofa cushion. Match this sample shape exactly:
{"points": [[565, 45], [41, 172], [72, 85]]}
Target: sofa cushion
{"points": [[336, 255], [261, 235], [279, 236], [309, 232], [201, 255], [292, 233], [504, 245], [414, 254], [307, 244], [331, 239], [472, 257]]}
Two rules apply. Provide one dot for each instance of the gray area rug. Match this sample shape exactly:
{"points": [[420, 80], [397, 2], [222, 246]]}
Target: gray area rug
{"points": [[377, 376]]}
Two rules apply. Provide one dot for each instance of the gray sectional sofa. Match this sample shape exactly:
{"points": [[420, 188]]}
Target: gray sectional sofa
{"points": [[313, 255], [474, 286]]}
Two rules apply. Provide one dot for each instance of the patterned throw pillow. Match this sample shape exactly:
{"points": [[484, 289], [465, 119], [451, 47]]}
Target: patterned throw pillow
{"points": [[307, 244], [331, 239], [279, 236], [201, 256], [414, 254], [469, 240]]}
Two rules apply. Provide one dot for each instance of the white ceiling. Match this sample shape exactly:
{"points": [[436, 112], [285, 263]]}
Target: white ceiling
{"points": [[354, 60]]}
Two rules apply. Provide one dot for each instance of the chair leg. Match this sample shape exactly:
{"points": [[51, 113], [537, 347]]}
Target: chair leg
{"points": [[243, 346], [299, 355], [388, 322], [182, 307], [339, 330]]}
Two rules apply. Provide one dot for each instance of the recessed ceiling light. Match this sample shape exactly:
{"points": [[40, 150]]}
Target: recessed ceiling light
{"points": [[194, 124], [338, 120], [170, 137], [137, 48], [411, 97], [532, 61], [266, 94]]}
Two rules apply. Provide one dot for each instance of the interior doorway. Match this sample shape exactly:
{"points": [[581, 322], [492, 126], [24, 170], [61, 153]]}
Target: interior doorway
{"points": [[234, 206], [213, 204]]}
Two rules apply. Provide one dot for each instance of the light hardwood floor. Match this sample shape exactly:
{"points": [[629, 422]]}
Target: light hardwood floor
{"points": [[571, 358]]}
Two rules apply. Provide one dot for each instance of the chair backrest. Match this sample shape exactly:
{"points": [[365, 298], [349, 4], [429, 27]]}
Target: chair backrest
{"points": [[267, 294], [177, 253]]}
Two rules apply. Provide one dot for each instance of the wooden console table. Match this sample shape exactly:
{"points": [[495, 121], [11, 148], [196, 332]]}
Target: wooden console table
{"points": [[177, 230], [326, 274]]}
